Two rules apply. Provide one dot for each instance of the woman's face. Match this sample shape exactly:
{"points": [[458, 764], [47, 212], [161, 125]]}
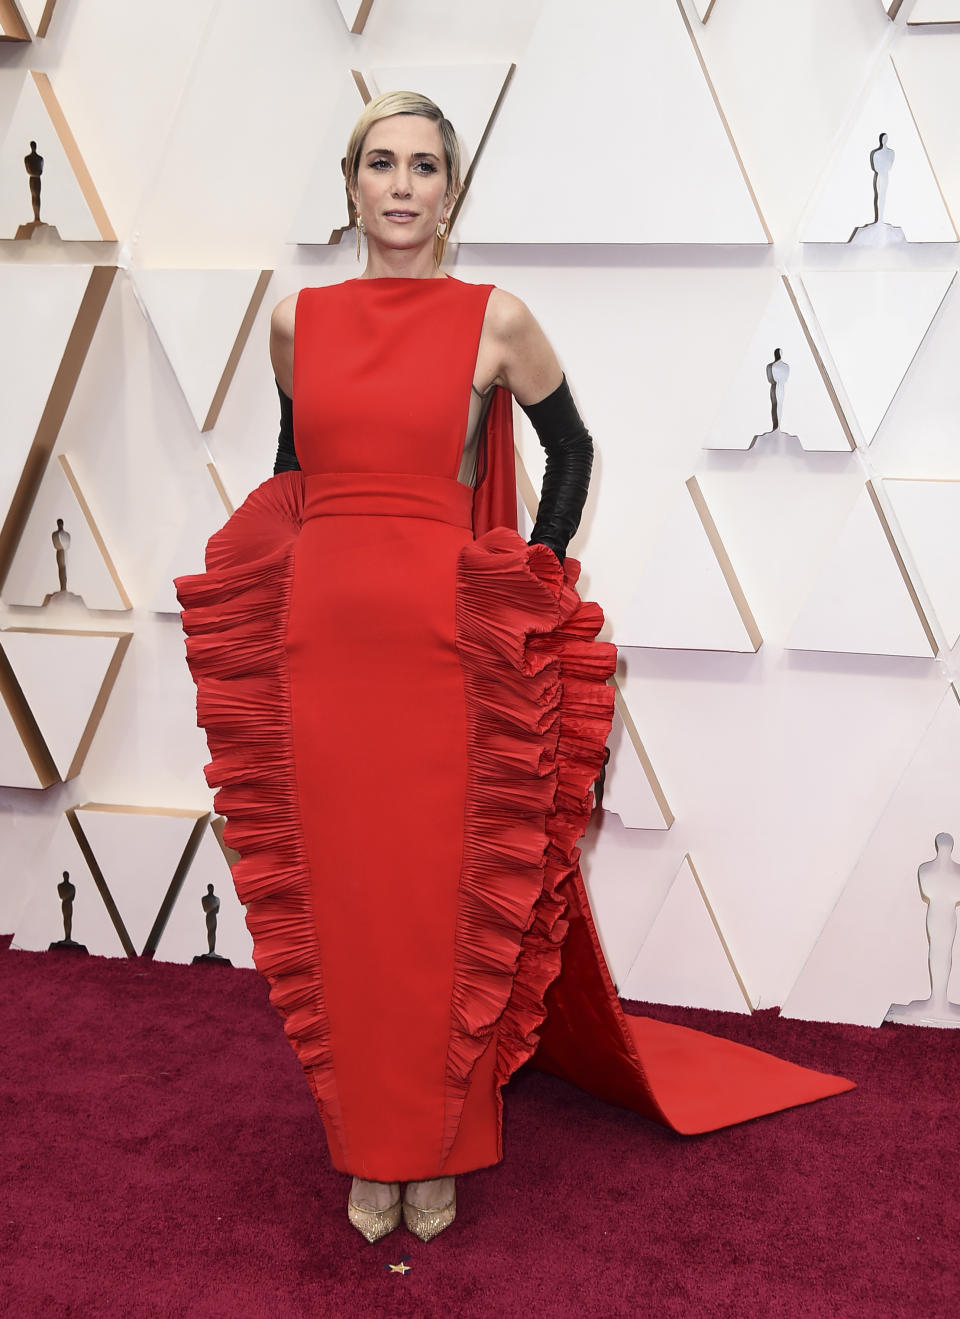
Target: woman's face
{"points": [[401, 191]]}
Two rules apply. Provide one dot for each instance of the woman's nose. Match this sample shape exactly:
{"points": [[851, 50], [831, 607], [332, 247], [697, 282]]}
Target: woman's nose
{"points": [[401, 182]]}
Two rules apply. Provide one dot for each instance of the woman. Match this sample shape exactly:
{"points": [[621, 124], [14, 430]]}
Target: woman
{"points": [[406, 708]]}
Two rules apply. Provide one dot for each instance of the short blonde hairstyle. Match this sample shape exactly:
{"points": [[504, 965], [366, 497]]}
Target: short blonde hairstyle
{"points": [[391, 103]]}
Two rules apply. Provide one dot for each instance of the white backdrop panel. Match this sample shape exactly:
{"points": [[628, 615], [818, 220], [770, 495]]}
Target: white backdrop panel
{"points": [[874, 321], [913, 199], [546, 171], [873, 949], [34, 574], [929, 516], [684, 958], [41, 921]]}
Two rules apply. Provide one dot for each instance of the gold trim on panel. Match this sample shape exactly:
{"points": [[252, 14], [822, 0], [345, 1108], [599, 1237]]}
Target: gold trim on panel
{"points": [[12, 26], [78, 494], [58, 400], [645, 761], [26, 726], [103, 694], [726, 567], [175, 885], [491, 120], [221, 489], [115, 808], [47, 15], [365, 92], [820, 364], [723, 119], [894, 549], [913, 117], [98, 879], [360, 21], [243, 334], [716, 925], [77, 163]]}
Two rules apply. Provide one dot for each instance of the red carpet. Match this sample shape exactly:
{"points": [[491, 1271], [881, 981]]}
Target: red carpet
{"points": [[162, 1157]]}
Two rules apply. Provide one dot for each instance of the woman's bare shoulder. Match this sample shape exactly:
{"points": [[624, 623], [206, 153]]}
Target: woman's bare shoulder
{"points": [[283, 316], [508, 315]]}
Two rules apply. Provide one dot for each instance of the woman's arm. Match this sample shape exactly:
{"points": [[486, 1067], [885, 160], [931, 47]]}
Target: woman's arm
{"points": [[281, 342], [529, 368]]}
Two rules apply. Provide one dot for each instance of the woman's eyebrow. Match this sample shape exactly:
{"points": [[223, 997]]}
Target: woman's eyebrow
{"points": [[414, 155]]}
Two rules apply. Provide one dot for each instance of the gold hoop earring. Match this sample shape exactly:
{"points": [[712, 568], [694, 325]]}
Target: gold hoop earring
{"points": [[440, 242], [359, 232]]}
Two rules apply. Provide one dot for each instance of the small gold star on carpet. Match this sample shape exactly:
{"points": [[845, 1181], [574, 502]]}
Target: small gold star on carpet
{"points": [[402, 1267]]}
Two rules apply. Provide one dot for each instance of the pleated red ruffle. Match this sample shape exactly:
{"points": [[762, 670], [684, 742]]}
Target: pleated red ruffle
{"points": [[539, 711], [235, 617], [538, 716]]}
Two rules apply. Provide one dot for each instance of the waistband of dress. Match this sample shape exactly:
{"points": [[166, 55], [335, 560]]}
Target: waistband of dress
{"points": [[387, 494]]}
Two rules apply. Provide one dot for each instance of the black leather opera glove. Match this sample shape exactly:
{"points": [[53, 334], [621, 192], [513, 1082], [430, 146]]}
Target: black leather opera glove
{"points": [[567, 476], [286, 460]]}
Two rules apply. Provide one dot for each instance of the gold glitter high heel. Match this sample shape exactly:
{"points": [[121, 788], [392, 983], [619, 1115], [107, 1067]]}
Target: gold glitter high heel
{"points": [[374, 1223], [426, 1223]]}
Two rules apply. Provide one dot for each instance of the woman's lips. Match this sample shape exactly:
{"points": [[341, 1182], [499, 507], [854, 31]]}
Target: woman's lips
{"points": [[400, 217]]}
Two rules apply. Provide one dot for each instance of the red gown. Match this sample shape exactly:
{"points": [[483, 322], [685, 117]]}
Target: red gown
{"points": [[406, 709]]}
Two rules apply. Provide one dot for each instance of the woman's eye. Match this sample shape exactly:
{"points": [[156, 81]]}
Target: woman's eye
{"points": [[426, 167], [375, 164]]}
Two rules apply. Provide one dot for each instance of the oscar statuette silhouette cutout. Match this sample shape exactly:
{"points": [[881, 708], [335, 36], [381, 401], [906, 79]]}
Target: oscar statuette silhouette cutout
{"points": [[878, 233], [37, 228], [778, 373], [67, 891], [211, 907], [939, 881], [61, 543]]}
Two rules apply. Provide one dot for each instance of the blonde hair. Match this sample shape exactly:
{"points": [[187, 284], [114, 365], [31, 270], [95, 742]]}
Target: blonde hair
{"points": [[391, 103]]}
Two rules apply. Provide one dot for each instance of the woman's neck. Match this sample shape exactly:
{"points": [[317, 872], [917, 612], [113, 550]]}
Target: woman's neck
{"points": [[387, 263]]}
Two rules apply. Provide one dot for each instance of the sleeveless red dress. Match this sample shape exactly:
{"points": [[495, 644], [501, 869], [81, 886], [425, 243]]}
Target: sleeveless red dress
{"points": [[406, 709]]}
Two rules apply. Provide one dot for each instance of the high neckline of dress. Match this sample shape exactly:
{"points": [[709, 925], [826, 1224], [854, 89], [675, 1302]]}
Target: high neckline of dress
{"points": [[402, 279]]}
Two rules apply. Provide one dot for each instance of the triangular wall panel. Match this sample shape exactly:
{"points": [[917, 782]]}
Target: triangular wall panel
{"points": [[873, 950], [44, 558], [934, 11], [139, 852], [928, 513], [324, 211], [66, 679], [39, 14], [50, 315], [631, 787], [69, 200], [874, 321], [24, 760], [862, 601], [12, 26], [184, 934], [913, 200], [631, 65], [203, 319], [355, 14], [686, 594], [684, 959], [41, 921], [810, 407]]}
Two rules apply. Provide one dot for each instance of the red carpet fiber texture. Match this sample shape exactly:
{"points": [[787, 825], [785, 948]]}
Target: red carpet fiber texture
{"points": [[162, 1157]]}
